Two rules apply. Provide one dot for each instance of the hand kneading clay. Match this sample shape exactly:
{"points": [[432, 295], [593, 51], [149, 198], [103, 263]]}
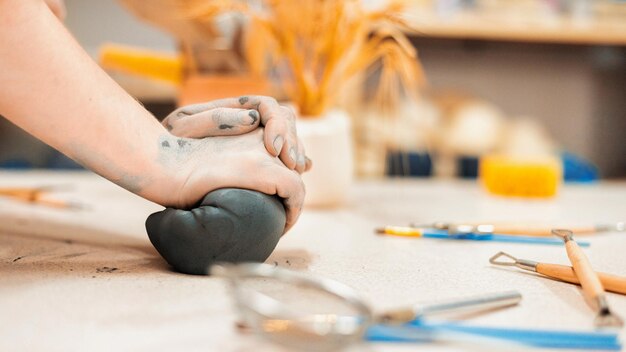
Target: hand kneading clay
{"points": [[229, 225]]}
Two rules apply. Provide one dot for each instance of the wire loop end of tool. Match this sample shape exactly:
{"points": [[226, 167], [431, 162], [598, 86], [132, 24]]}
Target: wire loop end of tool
{"points": [[494, 260], [520, 263], [565, 235], [608, 320], [605, 317]]}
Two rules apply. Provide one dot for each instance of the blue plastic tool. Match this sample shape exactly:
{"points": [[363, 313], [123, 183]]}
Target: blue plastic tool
{"points": [[443, 234], [584, 340]]}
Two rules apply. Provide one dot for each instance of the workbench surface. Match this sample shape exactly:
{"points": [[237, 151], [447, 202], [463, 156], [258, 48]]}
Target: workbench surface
{"points": [[90, 280]]}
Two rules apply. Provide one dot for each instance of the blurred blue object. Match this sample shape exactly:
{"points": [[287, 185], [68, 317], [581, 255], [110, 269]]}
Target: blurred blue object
{"points": [[61, 162], [544, 338], [54, 160], [468, 166], [443, 234], [16, 164], [577, 169], [401, 163]]}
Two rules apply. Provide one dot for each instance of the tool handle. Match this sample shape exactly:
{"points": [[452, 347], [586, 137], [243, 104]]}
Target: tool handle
{"points": [[592, 287], [566, 273], [21, 193], [540, 231]]}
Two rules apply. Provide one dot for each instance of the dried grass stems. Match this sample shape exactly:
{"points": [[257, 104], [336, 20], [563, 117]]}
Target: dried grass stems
{"points": [[314, 47]]}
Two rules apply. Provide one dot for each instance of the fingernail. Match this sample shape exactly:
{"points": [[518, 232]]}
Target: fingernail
{"points": [[301, 160], [292, 154], [278, 144]]}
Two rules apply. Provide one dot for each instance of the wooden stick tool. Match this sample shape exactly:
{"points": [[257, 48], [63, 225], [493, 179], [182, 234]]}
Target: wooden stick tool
{"points": [[589, 280], [564, 273], [38, 195], [520, 228]]}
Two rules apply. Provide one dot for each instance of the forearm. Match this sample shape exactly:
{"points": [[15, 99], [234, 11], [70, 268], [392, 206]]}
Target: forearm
{"points": [[53, 90]]}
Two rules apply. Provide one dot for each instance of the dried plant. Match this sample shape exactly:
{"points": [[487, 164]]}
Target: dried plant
{"points": [[314, 47]]}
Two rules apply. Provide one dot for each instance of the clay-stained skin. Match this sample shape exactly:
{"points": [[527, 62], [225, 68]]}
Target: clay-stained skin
{"points": [[213, 122], [244, 114], [254, 168]]}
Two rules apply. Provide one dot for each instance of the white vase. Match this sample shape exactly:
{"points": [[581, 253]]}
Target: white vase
{"points": [[328, 143]]}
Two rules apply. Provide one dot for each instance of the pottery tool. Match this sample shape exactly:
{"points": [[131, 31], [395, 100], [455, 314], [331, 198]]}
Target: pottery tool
{"points": [[276, 303], [37, 195], [565, 273], [519, 229], [480, 303], [407, 231], [544, 338], [589, 280]]}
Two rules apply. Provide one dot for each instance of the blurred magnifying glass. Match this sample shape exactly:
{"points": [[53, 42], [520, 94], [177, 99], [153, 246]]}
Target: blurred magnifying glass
{"points": [[300, 311]]}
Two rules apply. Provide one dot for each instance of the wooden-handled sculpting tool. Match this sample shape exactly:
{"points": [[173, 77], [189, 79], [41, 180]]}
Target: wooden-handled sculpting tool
{"points": [[404, 231], [38, 195], [565, 273], [520, 229], [589, 280]]}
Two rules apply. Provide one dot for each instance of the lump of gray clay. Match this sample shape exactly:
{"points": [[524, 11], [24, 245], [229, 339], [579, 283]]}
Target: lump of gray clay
{"points": [[229, 225]]}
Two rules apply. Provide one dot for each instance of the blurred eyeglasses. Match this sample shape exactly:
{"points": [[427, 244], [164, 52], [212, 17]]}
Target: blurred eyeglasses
{"points": [[301, 311]]}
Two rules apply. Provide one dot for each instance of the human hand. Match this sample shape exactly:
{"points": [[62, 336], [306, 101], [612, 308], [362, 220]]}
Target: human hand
{"points": [[235, 116], [199, 166]]}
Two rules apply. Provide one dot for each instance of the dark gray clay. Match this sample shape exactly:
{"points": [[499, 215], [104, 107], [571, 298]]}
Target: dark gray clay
{"points": [[229, 225]]}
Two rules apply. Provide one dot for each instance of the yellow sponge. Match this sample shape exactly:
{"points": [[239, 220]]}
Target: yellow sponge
{"points": [[142, 62], [536, 177]]}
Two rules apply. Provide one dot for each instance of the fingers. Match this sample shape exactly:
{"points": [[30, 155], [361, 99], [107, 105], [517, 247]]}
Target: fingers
{"points": [[196, 123], [301, 161], [240, 162], [280, 137], [291, 190], [280, 122], [279, 143], [280, 126], [287, 184]]}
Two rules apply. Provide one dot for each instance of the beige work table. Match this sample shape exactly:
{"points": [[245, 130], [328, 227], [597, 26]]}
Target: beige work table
{"points": [[91, 281]]}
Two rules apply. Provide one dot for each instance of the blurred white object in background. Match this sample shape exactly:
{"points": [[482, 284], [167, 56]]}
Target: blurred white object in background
{"points": [[328, 143], [447, 8], [474, 129], [528, 137], [412, 127]]}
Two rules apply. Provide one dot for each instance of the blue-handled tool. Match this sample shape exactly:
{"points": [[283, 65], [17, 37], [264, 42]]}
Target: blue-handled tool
{"points": [[544, 338], [405, 231]]}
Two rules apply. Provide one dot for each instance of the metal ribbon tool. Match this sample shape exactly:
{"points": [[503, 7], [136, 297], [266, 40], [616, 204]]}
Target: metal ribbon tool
{"points": [[565, 273]]}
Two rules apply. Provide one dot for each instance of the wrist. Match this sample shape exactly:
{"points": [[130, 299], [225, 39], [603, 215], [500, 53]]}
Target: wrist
{"points": [[174, 166]]}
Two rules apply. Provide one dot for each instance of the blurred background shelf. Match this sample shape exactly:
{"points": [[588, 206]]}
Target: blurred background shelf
{"points": [[555, 31]]}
